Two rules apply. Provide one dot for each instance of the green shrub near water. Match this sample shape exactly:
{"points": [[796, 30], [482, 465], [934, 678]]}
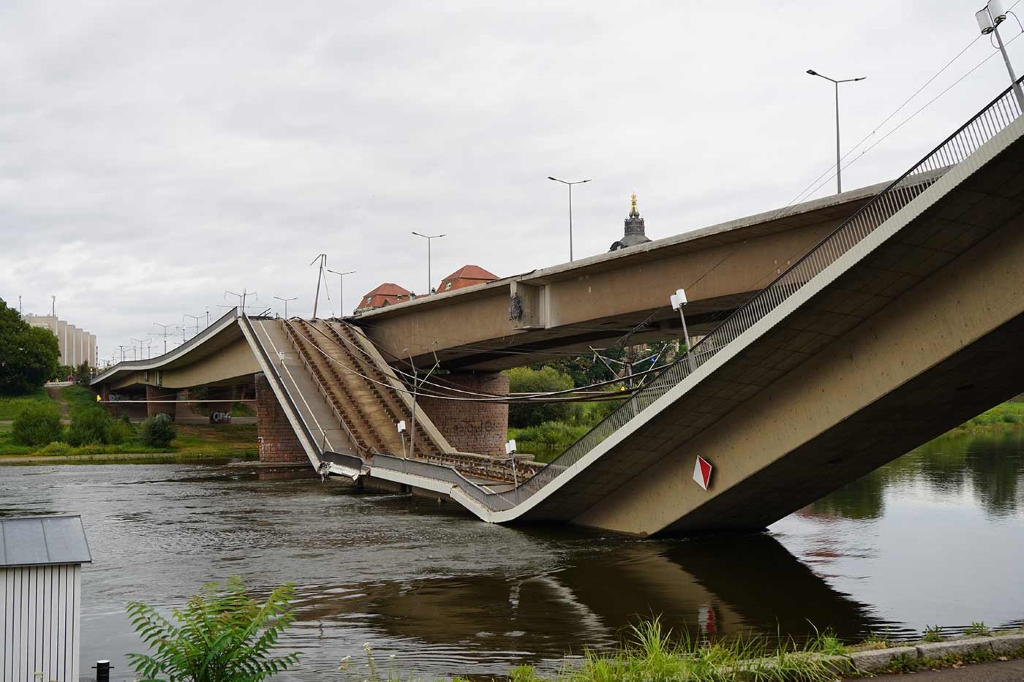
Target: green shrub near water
{"points": [[222, 635], [157, 432], [56, 449], [37, 425], [89, 427]]}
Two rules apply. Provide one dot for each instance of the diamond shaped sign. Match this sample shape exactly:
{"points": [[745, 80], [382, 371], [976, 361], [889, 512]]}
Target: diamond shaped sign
{"points": [[702, 472]]}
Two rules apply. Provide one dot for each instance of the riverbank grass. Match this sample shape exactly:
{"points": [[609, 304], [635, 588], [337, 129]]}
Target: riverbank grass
{"points": [[1003, 417], [654, 653], [11, 406]]}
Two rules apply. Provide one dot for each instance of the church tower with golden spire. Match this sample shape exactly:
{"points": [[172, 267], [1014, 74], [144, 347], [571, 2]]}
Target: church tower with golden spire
{"points": [[634, 232]]}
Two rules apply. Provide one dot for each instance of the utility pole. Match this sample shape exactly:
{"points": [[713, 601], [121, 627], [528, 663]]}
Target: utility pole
{"points": [[138, 341], [195, 318], [319, 277], [165, 332], [241, 299]]}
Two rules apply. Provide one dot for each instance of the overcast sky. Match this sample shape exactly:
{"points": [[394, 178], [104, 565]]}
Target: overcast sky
{"points": [[155, 154]]}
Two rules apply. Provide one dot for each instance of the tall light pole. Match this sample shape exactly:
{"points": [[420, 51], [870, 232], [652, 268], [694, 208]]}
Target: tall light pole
{"points": [[989, 17], [570, 184], [293, 298], [839, 177], [429, 237], [341, 288]]}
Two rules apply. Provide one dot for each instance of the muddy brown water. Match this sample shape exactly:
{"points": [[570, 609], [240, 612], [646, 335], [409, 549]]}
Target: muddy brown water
{"points": [[934, 538]]}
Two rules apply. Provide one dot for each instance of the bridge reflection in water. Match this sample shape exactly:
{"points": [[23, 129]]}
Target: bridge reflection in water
{"points": [[712, 587]]}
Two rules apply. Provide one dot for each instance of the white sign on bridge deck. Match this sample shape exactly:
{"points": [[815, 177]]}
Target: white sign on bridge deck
{"points": [[702, 472]]}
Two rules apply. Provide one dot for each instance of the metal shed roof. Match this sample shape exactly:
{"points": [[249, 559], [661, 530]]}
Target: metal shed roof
{"points": [[43, 541]]}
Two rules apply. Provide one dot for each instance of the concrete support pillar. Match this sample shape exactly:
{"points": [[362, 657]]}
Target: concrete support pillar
{"points": [[156, 393], [220, 403], [472, 427], [278, 442]]}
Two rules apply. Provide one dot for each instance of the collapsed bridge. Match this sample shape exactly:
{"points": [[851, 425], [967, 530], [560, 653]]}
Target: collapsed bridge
{"points": [[901, 321]]}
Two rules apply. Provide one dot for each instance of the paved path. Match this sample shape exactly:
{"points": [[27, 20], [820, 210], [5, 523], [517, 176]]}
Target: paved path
{"points": [[987, 672]]}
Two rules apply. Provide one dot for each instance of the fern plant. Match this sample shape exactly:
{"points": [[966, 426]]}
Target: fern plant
{"points": [[222, 635]]}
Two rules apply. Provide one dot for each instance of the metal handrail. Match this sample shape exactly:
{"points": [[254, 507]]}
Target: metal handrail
{"points": [[983, 126]]}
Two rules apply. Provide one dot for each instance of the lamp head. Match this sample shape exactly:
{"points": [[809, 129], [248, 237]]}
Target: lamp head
{"points": [[984, 21], [812, 72], [678, 299]]}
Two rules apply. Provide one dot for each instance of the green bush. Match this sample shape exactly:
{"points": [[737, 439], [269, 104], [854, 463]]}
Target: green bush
{"points": [[57, 449], [157, 432], [545, 380], [37, 425], [547, 440], [89, 427], [120, 432], [222, 635]]}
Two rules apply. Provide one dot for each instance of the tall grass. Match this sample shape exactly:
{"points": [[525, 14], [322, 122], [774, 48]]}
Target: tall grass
{"points": [[653, 654], [11, 406]]}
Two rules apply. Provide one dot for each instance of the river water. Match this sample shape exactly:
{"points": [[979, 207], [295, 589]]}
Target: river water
{"points": [[934, 538]]}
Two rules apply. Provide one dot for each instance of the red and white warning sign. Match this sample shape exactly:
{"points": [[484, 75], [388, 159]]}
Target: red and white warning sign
{"points": [[702, 472]]}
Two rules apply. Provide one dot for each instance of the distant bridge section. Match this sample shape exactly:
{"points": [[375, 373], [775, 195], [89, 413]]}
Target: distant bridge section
{"points": [[535, 316]]}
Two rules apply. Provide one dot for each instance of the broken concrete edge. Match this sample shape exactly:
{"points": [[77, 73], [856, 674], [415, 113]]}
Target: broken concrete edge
{"points": [[880, 660]]}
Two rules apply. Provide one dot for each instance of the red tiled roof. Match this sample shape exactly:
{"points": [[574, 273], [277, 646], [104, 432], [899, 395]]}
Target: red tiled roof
{"points": [[383, 295], [466, 276]]}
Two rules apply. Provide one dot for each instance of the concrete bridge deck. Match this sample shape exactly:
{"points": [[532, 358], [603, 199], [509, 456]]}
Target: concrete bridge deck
{"points": [[597, 300]]}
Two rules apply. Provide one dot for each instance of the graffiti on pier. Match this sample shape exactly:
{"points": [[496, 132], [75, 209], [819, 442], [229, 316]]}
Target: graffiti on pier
{"points": [[220, 417]]}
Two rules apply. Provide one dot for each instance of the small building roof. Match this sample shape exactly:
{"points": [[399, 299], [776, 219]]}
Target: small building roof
{"points": [[466, 276], [385, 294], [43, 541]]}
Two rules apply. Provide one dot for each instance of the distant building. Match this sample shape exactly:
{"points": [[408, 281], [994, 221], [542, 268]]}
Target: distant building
{"points": [[76, 345], [634, 232], [466, 276], [388, 293]]}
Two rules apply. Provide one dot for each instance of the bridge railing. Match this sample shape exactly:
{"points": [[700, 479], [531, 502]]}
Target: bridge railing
{"points": [[985, 125]]}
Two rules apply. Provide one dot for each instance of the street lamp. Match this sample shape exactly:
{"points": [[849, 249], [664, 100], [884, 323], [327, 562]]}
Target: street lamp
{"points": [[839, 178], [428, 237], [989, 17], [341, 288], [570, 184], [293, 298], [678, 301]]}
